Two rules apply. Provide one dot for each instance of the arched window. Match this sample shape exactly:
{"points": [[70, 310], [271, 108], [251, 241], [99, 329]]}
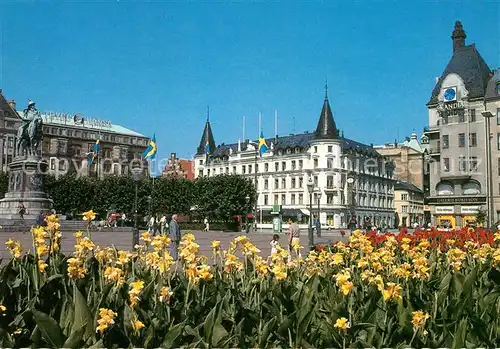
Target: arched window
{"points": [[445, 188], [471, 188]]}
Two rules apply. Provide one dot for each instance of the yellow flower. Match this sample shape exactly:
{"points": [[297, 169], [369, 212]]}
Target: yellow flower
{"points": [[165, 294], [134, 292], [419, 318], [42, 266], [78, 235], [89, 216], [216, 244], [137, 325], [2, 308], [392, 291], [113, 274], [279, 272], [42, 250], [75, 268], [14, 247], [346, 287], [342, 324], [106, 317]]}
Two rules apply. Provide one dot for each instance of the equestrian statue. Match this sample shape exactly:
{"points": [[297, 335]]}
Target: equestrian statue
{"points": [[30, 133]]}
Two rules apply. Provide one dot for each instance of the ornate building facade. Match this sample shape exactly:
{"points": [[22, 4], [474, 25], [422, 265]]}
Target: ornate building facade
{"points": [[454, 141], [180, 168], [69, 138], [352, 182]]}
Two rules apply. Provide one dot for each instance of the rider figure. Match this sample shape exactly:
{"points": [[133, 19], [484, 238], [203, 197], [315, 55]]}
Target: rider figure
{"points": [[29, 115]]}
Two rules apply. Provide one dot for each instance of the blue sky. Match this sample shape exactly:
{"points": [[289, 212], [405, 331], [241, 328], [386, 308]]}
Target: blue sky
{"points": [[154, 67]]}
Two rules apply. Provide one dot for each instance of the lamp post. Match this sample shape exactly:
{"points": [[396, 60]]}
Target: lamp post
{"points": [[489, 172], [247, 200], [256, 145], [137, 176], [310, 189], [318, 227], [350, 199]]}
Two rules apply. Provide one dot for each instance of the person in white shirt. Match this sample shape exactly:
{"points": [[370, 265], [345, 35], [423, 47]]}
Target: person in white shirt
{"points": [[207, 225], [124, 218], [163, 224], [275, 244], [151, 225]]}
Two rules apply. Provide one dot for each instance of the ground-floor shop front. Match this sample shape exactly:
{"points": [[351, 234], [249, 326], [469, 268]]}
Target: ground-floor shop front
{"points": [[458, 212]]}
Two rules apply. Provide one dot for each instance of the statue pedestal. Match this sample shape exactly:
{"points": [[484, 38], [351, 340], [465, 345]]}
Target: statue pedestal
{"points": [[26, 187]]}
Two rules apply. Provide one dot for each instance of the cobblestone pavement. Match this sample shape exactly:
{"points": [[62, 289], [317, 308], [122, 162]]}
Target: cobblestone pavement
{"points": [[122, 239]]}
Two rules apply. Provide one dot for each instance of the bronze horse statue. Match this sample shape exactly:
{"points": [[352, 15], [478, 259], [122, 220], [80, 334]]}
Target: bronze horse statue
{"points": [[29, 137]]}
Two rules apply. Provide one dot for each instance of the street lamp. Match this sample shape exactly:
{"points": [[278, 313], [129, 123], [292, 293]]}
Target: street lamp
{"points": [[350, 199], [318, 227], [489, 172], [137, 176], [247, 199], [310, 189], [256, 145]]}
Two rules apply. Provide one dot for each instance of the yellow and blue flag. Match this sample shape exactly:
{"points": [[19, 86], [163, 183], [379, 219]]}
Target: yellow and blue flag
{"points": [[95, 151], [262, 144], [207, 148], [150, 152]]}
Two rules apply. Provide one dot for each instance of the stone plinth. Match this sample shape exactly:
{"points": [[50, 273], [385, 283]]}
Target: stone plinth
{"points": [[26, 186]]}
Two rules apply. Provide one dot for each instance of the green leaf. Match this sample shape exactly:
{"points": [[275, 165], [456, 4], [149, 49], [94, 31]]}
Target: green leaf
{"points": [[219, 332], [98, 345], [75, 338], [149, 335], [51, 332], [82, 318], [266, 331], [460, 334], [457, 282], [469, 282], [172, 334], [208, 326], [36, 335]]}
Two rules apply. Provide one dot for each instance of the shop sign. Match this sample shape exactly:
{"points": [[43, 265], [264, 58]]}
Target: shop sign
{"points": [[469, 209], [445, 209], [458, 200], [427, 208]]}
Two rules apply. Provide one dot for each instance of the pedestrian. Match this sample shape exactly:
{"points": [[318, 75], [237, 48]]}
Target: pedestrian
{"points": [[124, 218], [151, 225], [293, 239], [175, 236], [22, 209], [207, 225], [163, 224], [275, 244]]}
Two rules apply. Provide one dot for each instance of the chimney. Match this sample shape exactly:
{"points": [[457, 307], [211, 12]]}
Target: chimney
{"points": [[12, 104], [458, 36]]}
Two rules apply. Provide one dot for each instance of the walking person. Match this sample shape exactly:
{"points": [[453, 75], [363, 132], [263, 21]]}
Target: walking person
{"points": [[124, 218], [175, 235], [163, 224], [22, 209], [151, 225], [293, 238], [207, 225]]}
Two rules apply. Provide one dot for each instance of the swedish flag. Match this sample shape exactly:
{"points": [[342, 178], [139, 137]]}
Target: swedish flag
{"points": [[95, 151], [207, 148], [262, 144], [150, 152]]}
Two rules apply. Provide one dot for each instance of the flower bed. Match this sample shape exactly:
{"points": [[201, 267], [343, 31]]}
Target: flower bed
{"points": [[427, 289]]}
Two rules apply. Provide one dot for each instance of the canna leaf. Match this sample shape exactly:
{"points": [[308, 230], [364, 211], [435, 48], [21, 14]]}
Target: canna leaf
{"points": [[51, 332], [460, 334], [173, 333], [75, 338], [82, 317]]}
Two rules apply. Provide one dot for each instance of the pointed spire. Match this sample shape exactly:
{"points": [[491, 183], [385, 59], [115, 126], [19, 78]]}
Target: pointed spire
{"points": [[326, 88], [207, 138], [326, 128], [208, 113], [458, 36]]}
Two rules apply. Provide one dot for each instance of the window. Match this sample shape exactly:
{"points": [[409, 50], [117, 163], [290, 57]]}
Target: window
{"points": [[329, 182], [471, 188], [292, 199], [315, 149], [301, 163], [275, 199], [315, 163], [53, 164], [498, 116], [329, 163], [497, 88], [315, 181], [249, 168], [473, 140], [461, 116], [445, 188], [256, 167], [243, 169], [276, 183], [276, 166], [283, 166], [473, 163], [234, 169], [472, 115], [404, 208], [227, 170], [283, 199], [266, 199], [301, 182], [446, 141], [330, 148], [498, 166], [293, 182], [461, 140], [301, 199], [446, 164], [293, 164], [200, 173], [283, 183], [329, 199], [266, 167], [498, 141], [462, 164], [404, 197], [266, 183]]}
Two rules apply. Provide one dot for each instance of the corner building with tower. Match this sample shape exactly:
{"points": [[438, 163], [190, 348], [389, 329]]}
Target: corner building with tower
{"points": [[347, 182], [462, 166]]}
